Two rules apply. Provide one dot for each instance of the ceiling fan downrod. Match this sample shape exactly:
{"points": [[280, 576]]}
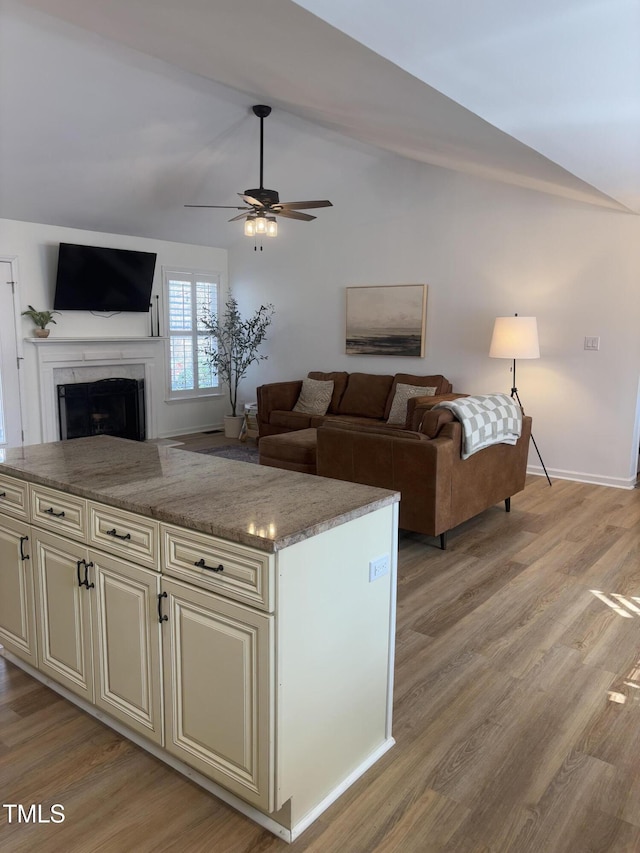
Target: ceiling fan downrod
{"points": [[262, 111]]}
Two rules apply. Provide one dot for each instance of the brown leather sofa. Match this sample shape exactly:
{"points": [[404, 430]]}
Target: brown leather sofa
{"points": [[363, 399], [439, 489]]}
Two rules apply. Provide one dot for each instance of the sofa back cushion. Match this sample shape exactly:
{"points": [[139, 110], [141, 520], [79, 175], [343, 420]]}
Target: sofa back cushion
{"points": [[366, 395], [339, 379], [437, 381]]}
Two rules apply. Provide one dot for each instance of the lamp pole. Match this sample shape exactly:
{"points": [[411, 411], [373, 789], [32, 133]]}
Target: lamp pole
{"points": [[514, 394]]}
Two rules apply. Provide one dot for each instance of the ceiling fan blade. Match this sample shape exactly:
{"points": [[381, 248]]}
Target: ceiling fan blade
{"points": [[225, 206], [303, 205], [293, 214], [250, 200], [240, 216]]}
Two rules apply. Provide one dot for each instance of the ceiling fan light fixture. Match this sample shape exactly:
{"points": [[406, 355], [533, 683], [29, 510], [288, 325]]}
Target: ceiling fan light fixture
{"points": [[261, 206], [272, 226]]}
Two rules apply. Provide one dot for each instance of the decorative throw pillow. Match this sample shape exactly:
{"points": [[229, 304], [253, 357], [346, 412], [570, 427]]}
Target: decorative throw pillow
{"points": [[398, 413], [315, 397]]}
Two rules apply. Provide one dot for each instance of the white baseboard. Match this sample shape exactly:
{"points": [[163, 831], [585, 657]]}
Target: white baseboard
{"points": [[337, 792], [192, 429], [581, 477]]}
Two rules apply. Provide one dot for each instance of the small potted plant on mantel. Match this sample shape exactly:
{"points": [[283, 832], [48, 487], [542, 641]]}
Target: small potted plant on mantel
{"points": [[41, 320], [232, 348]]}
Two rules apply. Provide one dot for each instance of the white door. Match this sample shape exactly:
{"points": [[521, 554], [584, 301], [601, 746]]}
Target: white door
{"points": [[10, 421]]}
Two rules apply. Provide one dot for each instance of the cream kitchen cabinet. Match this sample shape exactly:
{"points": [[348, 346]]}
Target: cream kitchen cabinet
{"points": [[17, 616], [247, 643], [63, 611], [218, 665], [98, 630]]}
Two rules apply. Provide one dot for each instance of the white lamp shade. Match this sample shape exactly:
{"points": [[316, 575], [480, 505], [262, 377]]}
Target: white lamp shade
{"points": [[515, 337]]}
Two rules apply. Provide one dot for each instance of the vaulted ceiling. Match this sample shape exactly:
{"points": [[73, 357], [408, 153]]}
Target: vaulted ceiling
{"points": [[115, 113]]}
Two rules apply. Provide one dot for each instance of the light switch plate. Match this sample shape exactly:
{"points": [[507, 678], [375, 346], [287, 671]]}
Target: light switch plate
{"points": [[592, 343]]}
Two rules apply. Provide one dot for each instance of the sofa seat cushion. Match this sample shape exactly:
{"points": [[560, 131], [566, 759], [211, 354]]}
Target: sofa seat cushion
{"points": [[290, 420], [354, 421], [293, 451], [366, 395], [375, 428], [339, 379]]}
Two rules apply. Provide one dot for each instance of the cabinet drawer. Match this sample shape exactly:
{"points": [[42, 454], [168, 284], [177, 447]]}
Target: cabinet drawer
{"points": [[232, 570], [124, 533], [59, 512], [14, 497]]}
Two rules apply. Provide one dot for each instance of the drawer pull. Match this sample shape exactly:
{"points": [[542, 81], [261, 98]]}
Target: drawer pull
{"points": [[161, 618], [23, 539], [122, 536], [51, 511], [202, 565], [3, 494]]}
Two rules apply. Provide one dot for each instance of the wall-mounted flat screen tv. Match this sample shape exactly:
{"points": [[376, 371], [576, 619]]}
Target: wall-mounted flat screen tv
{"points": [[94, 278]]}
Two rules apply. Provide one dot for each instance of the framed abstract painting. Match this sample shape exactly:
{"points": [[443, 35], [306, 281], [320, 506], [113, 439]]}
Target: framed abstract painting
{"points": [[388, 319]]}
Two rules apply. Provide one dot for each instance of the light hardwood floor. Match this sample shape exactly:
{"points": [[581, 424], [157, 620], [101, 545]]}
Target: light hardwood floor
{"points": [[517, 710]]}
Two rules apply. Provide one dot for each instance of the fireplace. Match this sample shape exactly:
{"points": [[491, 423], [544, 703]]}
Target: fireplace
{"points": [[104, 407]]}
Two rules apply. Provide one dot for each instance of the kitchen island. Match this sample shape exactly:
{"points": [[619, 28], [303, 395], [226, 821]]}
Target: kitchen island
{"points": [[237, 621]]}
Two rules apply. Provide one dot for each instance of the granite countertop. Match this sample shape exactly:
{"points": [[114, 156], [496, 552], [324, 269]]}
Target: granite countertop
{"points": [[265, 508]]}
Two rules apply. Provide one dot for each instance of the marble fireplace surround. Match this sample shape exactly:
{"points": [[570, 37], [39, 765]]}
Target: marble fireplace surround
{"points": [[68, 360]]}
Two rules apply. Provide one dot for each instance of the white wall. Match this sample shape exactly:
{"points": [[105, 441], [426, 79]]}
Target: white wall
{"points": [[36, 248], [486, 250]]}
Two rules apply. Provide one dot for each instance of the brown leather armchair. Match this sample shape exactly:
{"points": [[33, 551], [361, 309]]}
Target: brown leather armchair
{"points": [[439, 489]]}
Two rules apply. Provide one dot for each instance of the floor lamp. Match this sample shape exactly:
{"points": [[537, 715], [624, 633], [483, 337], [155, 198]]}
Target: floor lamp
{"points": [[517, 337]]}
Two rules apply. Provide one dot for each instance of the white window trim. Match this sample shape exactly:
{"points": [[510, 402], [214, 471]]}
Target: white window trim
{"points": [[172, 396]]}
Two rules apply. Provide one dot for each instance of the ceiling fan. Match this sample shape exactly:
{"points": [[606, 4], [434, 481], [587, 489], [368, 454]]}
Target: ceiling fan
{"points": [[263, 206]]}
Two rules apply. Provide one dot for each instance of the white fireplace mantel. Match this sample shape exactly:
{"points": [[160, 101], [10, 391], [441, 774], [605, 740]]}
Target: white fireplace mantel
{"points": [[91, 356]]}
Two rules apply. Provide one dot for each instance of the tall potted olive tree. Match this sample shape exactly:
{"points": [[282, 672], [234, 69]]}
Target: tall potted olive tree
{"points": [[232, 348]]}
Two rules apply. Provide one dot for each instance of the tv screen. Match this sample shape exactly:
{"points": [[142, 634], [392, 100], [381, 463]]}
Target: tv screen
{"points": [[93, 278]]}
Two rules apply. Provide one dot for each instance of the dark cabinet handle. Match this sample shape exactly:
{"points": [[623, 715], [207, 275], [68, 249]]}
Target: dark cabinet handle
{"points": [[118, 535], [23, 539], [161, 618], [84, 582], [3, 494], [55, 514], [87, 566], [202, 565]]}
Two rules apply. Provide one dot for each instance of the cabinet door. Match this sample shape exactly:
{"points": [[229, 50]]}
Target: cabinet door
{"points": [[17, 621], [126, 643], [218, 659], [63, 613]]}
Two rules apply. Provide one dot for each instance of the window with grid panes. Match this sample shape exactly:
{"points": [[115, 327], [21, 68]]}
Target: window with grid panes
{"points": [[186, 295]]}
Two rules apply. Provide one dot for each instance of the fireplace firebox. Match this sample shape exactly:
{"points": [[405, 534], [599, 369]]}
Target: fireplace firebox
{"points": [[105, 407]]}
